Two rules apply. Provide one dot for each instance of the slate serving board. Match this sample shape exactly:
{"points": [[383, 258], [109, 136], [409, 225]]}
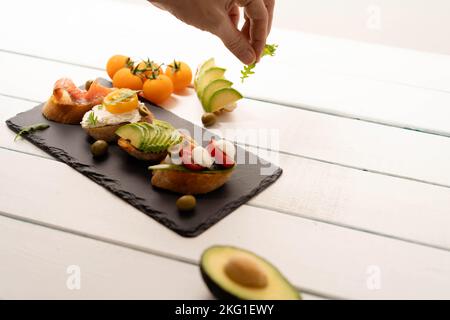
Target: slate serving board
{"points": [[129, 178]]}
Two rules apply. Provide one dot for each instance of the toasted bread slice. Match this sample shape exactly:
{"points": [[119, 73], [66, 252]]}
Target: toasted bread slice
{"points": [[65, 111], [145, 156], [189, 182], [107, 133]]}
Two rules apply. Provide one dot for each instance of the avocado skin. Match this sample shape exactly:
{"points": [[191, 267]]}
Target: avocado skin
{"points": [[222, 294], [217, 291]]}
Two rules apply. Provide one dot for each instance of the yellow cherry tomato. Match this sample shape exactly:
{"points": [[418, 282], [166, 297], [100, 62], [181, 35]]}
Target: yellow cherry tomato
{"points": [[121, 101], [157, 90], [180, 74], [117, 62], [124, 78]]}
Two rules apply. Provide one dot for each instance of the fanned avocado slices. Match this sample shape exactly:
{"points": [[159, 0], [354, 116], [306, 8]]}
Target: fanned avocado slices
{"points": [[213, 90], [150, 137]]}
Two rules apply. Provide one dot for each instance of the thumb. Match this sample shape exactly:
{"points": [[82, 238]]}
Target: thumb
{"points": [[236, 42]]}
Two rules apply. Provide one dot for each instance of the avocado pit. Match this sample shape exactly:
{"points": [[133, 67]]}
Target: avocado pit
{"points": [[246, 272]]}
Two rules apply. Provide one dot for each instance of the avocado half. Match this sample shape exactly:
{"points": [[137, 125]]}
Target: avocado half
{"points": [[254, 277]]}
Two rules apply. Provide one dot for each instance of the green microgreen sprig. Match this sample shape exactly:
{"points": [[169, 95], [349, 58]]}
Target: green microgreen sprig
{"points": [[92, 118], [31, 129], [269, 50]]}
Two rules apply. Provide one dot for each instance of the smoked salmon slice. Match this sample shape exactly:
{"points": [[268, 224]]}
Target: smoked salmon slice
{"points": [[94, 95]]}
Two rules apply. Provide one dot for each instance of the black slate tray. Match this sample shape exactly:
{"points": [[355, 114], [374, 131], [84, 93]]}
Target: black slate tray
{"points": [[129, 178]]}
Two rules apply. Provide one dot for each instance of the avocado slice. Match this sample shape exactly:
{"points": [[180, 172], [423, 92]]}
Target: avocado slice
{"points": [[212, 87], [234, 273], [133, 132], [207, 77], [222, 98], [163, 142], [150, 133], [162, 124], [204, 66]]}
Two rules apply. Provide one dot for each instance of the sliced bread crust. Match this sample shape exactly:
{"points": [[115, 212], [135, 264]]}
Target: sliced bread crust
{"points": [[189, 182], [67, 113]]}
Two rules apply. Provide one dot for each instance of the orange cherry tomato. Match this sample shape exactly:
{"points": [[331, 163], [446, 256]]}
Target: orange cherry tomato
{"points": [[158, 90], [121, 101], [117, 62], [146, 68], [180, 74], [124, 78]]}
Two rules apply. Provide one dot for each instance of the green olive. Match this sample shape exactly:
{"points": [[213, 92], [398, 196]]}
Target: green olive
{"points": [[99, 148], [186, 203], [143, 111], [208, 119], [87, 85]]}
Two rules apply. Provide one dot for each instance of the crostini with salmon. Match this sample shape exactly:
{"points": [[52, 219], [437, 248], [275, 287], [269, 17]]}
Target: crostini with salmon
{"points": [[68, 103]]}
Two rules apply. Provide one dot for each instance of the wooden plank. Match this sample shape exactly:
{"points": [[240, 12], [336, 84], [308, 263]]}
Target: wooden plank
{"points": [[37, 260], [36, 264], [332, 139], [331, 75], [379, 204], [316, 256]]}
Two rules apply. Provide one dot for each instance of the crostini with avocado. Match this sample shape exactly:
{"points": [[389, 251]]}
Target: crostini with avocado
{"points": [[148, 141]]}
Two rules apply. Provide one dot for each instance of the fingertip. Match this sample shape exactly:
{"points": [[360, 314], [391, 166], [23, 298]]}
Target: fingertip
{"points": [[248, 56], [258, 48]]}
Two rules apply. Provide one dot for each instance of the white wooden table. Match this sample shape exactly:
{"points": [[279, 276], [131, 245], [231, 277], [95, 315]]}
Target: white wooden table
{"points": [[361, 211]]}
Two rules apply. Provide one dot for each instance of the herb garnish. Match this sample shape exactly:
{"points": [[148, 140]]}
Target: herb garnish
{"points": [[123, 95], [30, 129], [269, 50], [92, 118], [150, 70]]}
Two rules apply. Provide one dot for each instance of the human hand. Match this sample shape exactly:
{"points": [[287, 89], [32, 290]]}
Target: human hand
{"points": [[221, 17]]}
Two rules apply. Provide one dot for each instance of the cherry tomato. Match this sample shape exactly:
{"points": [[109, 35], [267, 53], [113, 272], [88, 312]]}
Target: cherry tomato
{"points": [[158, 90], [121, 101], [124, 78], [117, 62], [180, 74]]}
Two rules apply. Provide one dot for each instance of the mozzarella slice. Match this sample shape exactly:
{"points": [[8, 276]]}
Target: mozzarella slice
{"points": [[201, 157], [226, 147]]}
